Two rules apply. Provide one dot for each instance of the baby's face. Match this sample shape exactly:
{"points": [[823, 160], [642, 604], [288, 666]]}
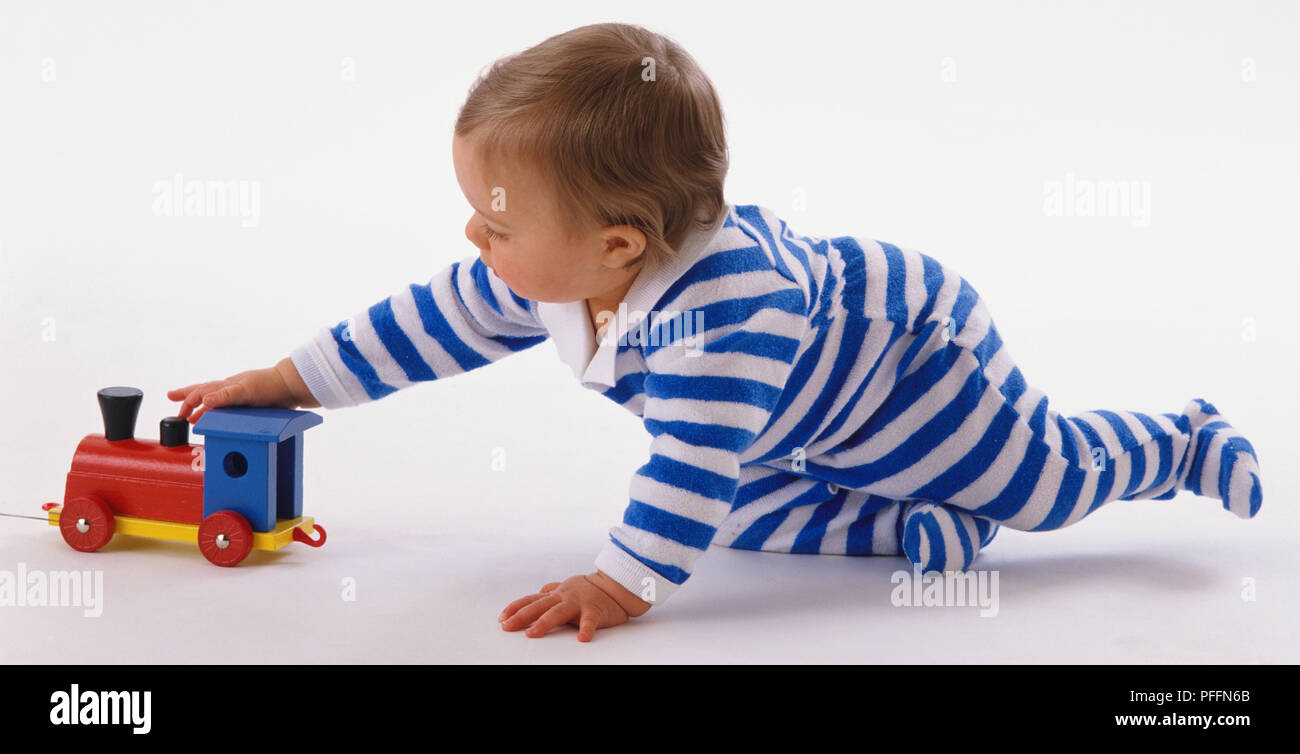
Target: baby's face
{"points": [[520, 234]]}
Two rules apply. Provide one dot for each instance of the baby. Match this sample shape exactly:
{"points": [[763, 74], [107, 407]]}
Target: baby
{"points": [[804, 394]]}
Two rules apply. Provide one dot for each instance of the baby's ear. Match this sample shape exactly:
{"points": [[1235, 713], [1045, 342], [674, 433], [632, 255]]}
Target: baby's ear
{"points": [[624, 245]]}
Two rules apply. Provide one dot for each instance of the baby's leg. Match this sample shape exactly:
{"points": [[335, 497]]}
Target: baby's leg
{"points": [[782, 511], [1222, 463], [779, 511], [1126, 455], [963, 428], [937, 537]]}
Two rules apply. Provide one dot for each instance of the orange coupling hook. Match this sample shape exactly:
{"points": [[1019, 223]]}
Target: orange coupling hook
{"points": [[301, 536]]}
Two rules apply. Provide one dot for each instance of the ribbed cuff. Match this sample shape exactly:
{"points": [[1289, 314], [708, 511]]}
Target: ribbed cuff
{"points": [[315, 372], [633, 575]]}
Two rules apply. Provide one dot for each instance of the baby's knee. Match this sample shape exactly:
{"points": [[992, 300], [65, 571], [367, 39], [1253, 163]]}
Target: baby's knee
{"points": [[937, 537]]}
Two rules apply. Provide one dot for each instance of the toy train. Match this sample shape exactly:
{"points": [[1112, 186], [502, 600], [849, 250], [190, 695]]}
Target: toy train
{"points": [[240, 491]]}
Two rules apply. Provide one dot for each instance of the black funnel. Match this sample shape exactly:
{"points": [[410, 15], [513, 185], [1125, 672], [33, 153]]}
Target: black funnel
{"points": [[120, 406], [173, 432]]}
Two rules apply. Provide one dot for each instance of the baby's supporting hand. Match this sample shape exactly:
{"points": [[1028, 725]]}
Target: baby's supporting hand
{"points": [[587, 601], [279, 386]]}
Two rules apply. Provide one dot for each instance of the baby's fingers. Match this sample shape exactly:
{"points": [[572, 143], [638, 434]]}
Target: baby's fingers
{"points": [[193, 400], [232, 393], [587, 625], [556, 616], [512, 617], [177, 394]]}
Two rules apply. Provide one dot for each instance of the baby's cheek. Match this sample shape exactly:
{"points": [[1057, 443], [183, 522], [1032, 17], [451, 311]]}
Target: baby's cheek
{"points": [[505, 270]]}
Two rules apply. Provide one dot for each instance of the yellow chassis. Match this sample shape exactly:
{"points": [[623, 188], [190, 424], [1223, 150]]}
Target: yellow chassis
{"points": [[278, 537]]}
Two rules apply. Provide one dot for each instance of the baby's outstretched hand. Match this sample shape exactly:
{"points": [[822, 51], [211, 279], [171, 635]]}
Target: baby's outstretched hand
{"points": [[279, 386], [586, 601]]}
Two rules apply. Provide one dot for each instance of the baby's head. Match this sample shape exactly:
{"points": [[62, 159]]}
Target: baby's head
{"points": [[587, 157]]}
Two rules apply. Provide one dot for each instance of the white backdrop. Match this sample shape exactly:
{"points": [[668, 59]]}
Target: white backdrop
{"points": [[946, 127]]}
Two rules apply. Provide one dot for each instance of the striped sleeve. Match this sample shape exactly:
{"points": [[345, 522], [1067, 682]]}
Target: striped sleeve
{"points": [[463, 318], [708, 397]]}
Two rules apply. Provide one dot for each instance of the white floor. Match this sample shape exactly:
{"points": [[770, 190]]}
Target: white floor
{"points": [[1149, 582]]}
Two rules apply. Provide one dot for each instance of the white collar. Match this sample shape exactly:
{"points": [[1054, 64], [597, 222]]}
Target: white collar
{"points": [[569, 323]]}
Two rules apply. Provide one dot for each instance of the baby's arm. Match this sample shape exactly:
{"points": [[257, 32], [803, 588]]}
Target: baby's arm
{"points": [[462, 319], [705, 405], [703, 411]]}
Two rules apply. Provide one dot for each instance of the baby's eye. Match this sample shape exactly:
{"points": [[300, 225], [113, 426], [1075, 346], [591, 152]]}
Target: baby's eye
{"points": [[491, 233]]}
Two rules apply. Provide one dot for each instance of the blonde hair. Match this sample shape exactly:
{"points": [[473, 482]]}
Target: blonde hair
{"points": [[621, 120]]}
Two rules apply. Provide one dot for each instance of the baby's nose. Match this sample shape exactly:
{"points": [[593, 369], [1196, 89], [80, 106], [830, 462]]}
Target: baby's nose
{"points": [[474, 236]]}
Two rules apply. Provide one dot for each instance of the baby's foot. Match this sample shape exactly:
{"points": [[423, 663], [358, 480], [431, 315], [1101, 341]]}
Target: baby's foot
{"points": [[1220, 462], [940, 537]]}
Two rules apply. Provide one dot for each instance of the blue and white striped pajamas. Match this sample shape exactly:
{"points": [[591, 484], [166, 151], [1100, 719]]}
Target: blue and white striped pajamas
{"points": [[843, 396]]}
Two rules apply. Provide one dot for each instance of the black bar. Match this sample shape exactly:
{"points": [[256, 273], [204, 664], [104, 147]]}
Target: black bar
{"points": [[973, 703]]}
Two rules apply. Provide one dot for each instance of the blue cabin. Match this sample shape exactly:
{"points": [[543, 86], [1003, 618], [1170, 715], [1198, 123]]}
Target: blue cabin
{"points": [[253, 462]]}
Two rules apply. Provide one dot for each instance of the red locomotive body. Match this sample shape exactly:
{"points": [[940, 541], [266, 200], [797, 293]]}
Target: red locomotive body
{"points": [[140, 478]]}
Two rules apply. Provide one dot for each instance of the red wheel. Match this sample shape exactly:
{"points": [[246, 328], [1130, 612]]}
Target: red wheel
{"points": [[225, 538], [86, 523]]}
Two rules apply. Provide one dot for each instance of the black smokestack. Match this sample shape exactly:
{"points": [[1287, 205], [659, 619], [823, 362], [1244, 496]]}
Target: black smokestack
{"points": [[120, 406], [173, 432]]}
